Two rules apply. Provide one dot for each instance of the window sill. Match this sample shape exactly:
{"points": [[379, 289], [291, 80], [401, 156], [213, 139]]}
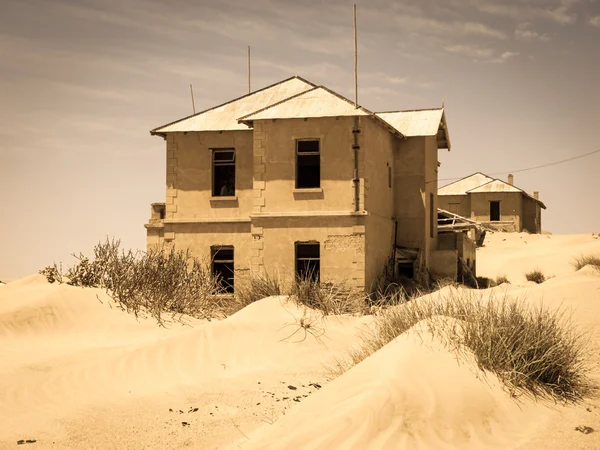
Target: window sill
{"points": [[308, 191], [224, 198]]}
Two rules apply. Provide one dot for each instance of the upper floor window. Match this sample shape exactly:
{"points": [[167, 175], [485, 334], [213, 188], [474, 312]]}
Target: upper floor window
{"points": [[223, 171], [308, 164]]}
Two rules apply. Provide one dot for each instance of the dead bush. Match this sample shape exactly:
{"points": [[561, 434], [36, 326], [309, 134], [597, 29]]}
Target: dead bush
{"points": [[329, 298], [536, 276], [587, 260]]}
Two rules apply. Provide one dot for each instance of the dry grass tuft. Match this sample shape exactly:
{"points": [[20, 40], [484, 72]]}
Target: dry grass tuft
{"points": [[329, 298], [587, 260], [259, 286], [501, 279], [531, 349], [159, 281], [536, 276]]}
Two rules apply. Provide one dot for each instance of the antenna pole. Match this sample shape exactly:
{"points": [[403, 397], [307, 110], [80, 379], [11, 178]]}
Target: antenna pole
{"points": [[355, 63], [249, 89], [192, 94]]}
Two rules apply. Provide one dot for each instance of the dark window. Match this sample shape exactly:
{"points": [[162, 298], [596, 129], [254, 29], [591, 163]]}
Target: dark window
{"points": [[308, 164], [308, 263], [431, 215], [389, 176], [494, 211], [223, 162], [222, 266]]}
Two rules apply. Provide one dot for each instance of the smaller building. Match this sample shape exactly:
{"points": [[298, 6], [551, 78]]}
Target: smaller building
{"points": [[493, 202]]}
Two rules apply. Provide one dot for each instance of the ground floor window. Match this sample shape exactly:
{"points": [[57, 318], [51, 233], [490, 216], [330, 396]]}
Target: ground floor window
{"points": [[222, 266], [494, 211], [308, 260]]}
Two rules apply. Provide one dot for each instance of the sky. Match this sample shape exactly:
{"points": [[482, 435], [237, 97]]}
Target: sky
{"points": [[82, 82]]}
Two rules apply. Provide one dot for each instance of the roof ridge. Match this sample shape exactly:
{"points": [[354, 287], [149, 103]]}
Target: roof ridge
{"points": [[155, 131], [468, 176], [243, 119], [410, 110]]}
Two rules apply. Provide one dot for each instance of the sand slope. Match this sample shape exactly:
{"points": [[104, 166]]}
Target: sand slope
{"points": [[76, 372]]}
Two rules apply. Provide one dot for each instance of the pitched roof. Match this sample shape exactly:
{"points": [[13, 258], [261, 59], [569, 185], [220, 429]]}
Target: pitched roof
{"points": [[225, 116], [423, 122], [463, 185], [495, 186], [479, 183], [317, 102]]}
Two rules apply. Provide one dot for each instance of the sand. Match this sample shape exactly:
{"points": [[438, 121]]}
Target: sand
{"points": [[76, 372]]}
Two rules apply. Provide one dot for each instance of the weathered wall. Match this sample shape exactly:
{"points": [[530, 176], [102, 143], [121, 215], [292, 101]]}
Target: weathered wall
{"points": [[199, 237], [409, 192], [378, 145], [189, 175], [342, 246], [511, 207], [431, 188], [457, 204], [444, 265], [531, 215], [275, 165]]}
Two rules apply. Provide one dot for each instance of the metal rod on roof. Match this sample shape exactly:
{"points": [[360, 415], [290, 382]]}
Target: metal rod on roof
{"points": [[249, 89], [355, 63], [192, 94]]}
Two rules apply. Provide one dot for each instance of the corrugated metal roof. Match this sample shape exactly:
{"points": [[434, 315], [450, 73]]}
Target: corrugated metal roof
{"points": [[461, 187], [318, 102], [494, 186], [415, 123], [225, 117]]}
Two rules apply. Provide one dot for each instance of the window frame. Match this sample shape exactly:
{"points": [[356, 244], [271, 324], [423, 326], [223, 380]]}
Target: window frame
{"points": [[499, 211], [317, 244], [216, 192], [298, 155], [229, 288]]}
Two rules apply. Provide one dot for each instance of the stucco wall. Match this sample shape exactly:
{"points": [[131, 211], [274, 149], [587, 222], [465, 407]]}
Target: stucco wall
{"points": [[378, 145], [431, 188], [444, 265], [275, 165], [189, 175], [457, 204], [531, 216], [342, 246], [511, 207]]}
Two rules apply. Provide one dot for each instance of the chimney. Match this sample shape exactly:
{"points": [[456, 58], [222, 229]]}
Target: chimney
{"points": [[536, 195], [510, 179]]}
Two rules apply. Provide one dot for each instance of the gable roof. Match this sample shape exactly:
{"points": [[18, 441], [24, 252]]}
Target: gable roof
{"points": [[422, 122], [495, 186], [480, 183], [462, 186], [316, 102], [225, 116]]}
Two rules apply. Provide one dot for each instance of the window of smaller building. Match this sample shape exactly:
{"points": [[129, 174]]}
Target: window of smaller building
{"points": [[308, 164], [308, 261], [223, 162], [222, 267], [389, 177], [494, 211]]}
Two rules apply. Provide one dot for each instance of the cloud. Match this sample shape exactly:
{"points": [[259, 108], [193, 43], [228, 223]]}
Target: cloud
{"points": [[525, 32], [483, 54], [474, 28], [561, 12], [595, 21]]}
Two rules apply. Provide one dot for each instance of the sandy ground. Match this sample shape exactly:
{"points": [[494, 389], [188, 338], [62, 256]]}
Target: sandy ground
{"points": [[76, 372]]}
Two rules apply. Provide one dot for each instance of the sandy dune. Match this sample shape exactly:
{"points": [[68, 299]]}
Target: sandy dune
{"points": [[77, 372]]}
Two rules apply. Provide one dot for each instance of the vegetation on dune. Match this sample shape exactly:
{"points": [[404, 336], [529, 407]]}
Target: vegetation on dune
{"points": [[158, 281], [259, 286], [587, 260], [530, 348], [502, 279], [536, 276], [329, 298]]}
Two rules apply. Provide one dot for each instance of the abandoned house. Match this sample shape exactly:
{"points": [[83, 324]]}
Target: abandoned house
{"points": [[498, 204], [296, 179]]}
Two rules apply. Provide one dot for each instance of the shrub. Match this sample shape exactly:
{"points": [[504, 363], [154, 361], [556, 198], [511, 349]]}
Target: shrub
{"points": [[587, 260], [330, 298], [158, 281], [502, 279], [536, 276], [52, 273], [531, 349]]}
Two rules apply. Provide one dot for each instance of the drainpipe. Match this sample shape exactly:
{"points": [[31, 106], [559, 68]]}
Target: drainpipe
{"points": [[355, 180]]}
